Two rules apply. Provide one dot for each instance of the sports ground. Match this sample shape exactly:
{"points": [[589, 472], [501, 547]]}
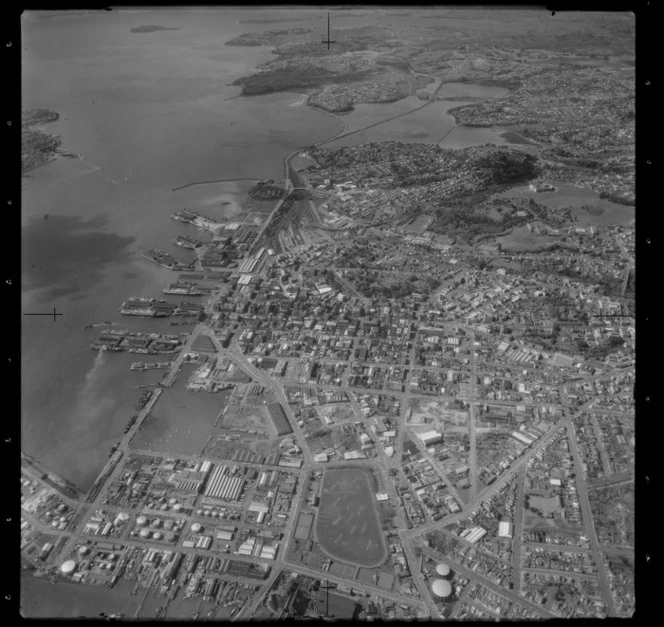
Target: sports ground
{"points": [[347, 523]]}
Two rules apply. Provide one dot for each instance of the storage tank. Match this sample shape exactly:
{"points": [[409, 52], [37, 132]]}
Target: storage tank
{"points": [[442, 588], [172, 501], [141, 520], [170, 537], [168, 524], [84, 550], [145, 533], [156, 522], [196, 527], [68, 567], [177, 507], [156, 535], [443, 569]]}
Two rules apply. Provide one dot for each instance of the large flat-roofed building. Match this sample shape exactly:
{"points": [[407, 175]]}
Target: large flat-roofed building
{"points": [[244, 569], [430, 437], [222, 485], [303, 528], [279, 419], [505, 529]]}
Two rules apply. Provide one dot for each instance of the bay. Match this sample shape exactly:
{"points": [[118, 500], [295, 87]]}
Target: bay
{"points": [[148, 112]]}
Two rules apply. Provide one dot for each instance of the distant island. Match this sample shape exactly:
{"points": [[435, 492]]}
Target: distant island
{"points": [[37, 147], [151, 29]]}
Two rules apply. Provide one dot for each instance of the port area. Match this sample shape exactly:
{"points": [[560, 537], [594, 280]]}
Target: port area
{"points": [[181, 422], [158, 365], [156, 308], [118, 340]]}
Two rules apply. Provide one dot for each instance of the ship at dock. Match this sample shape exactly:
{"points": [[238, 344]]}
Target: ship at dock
{"points": [[158, 365], [184, 241], [147, 307], [159, 257], [183, 289], [196, 219], [144, 343], [165, 260]]}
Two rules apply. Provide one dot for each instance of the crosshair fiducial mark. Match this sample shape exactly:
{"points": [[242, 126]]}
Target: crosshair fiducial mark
{"points": [[326, 587], [54, 314], [328, 41]]}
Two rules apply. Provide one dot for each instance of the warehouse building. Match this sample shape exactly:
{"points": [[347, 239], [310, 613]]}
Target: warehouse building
{"points": [[279, 419], [244, 569], [431, 437], [224, 486], [505, 529], [303, 528]]}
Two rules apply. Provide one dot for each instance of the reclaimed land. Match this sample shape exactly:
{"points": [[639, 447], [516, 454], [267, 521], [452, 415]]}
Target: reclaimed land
{"points": [[347, 524]]}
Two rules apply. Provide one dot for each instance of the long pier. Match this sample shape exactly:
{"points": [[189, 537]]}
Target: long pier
{"points": [[175, 189]]}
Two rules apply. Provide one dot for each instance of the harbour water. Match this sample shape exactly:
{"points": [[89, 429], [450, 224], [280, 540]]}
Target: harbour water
{"points": [[148, 112], [430, 124]]}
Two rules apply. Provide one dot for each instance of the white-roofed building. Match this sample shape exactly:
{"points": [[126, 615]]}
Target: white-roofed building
{"points": [[505, 529]]}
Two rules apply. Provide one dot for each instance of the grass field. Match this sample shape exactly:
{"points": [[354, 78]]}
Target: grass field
{"points": [[347, 524]]}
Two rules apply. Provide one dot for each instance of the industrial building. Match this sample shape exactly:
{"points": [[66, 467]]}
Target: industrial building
{"points": [[303, 528], [222, 485], [430, 437], [473, 534], [505, 529], [279, 419], [244, 569]]}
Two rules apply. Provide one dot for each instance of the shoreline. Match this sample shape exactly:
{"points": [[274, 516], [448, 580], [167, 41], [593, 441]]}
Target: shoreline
{"points": [[39, 165]]}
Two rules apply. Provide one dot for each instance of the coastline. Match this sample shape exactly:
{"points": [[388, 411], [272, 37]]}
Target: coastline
{"points": [[284, 158], [39, 165]]}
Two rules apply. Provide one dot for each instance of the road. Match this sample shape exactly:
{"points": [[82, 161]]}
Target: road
{"points": [[473, 576], [426, 455], [356, 585], [394, 117], [472, 415], [494, 488], [582, 490], [517, 531], [409, 538]]}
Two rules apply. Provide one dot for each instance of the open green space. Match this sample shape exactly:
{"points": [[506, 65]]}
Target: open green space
{"points": [[347, 524]]}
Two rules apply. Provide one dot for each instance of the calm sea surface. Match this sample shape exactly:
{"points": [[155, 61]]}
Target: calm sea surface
{"points": [[148, 112]]}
